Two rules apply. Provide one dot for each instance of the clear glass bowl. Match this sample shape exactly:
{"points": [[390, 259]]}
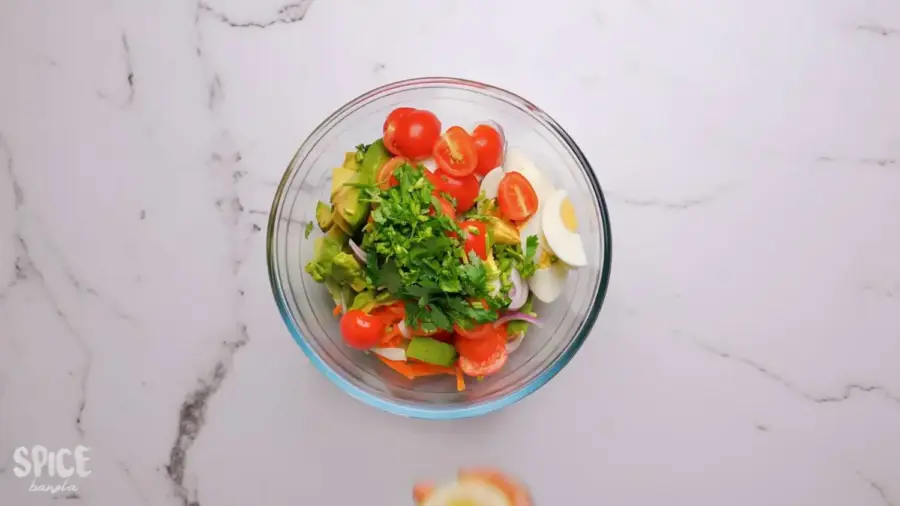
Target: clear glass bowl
{"points": [[307, 308]]}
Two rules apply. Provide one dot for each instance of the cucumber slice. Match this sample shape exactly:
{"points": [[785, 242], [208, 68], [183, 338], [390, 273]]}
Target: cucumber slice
{"points": [[431, 351]]}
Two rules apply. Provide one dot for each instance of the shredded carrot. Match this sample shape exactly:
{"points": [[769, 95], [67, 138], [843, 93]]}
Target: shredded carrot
{"points": [[430, 369], [391, 341], [460, 380], [401, 367], [337, 310], [415, 370]]}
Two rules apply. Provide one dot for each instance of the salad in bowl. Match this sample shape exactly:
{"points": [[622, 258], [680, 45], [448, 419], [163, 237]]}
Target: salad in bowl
{"points": [[437, 244]]}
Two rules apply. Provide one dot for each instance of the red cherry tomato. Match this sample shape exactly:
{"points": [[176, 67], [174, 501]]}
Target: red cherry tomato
{"points": [[390, 127], [463, 189], [413, 134], [476, 238], [395, 115], [517, 198], [455, 153], [446, 207], [483, 331], [484, 367], [361, 330], [479, 350], [488, 147], [385, 177]]}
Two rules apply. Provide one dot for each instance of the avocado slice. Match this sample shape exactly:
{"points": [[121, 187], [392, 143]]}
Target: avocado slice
{"points": [[340, 222], [339, 177], [350, 161], [323, 216], [431, 351], [364, 301], [503, 232], [347, 202], [327, 248], [338, 236], [347, 271], [376, 156]]}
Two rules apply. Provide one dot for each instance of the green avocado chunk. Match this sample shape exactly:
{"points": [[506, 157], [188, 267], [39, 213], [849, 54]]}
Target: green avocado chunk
{"points": [[350, 161], [339, 177], [431, 351], [347, 271], [503, 232], [327, 248], [347, 201], [323, 216]]}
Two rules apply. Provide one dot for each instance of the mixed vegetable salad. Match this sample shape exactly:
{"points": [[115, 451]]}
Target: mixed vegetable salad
{"points": [[438, 242]]}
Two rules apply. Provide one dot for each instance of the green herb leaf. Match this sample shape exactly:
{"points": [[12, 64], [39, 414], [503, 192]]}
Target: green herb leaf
{"points": [[361, 152], [309, 229]]}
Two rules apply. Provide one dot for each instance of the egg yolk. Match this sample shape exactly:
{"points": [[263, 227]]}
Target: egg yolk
{"points": [[546, 259], [567, 213]]}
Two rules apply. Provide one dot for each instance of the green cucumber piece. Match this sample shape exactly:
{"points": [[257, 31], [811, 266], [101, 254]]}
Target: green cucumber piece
{"points": [[431, 351]]}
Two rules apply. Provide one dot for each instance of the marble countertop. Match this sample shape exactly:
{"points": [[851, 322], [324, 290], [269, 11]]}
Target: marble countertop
{"points": [[747, 352]]}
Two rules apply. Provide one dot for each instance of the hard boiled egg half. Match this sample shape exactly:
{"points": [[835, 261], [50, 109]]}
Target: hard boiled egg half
{"points": [[560, 226], [549, 279], [555, 226]]}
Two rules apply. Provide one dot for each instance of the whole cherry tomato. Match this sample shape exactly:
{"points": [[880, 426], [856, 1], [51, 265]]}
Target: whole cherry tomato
{"points": [[361, 330]]}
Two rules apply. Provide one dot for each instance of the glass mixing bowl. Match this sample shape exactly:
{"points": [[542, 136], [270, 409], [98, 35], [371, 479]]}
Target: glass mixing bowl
{"points": [[307, 307]]}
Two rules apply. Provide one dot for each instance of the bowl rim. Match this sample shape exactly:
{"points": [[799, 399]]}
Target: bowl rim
{"points": [[441, 413]]}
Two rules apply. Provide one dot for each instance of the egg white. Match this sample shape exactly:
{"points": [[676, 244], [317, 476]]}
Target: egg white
{"points": [[565, 244], [547, 284], [491, 183]]}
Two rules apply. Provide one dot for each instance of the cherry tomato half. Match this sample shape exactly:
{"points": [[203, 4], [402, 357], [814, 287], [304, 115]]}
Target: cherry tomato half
{"points": [[517, 198], [390, 127], [479, 350], [455, 153], [483, 331], [413, 134], [476, 238], [385, 177], [361, 330], [488, 147], [484, 367], [463, 189]]}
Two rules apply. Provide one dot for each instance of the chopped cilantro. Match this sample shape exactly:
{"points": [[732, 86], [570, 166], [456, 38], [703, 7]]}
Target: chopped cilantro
{"points": [[361, 152], [528, 267], [509, 256], [309, 229], [414, 252]]}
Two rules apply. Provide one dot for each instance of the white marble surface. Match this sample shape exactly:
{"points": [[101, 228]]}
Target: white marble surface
{"points": [[748, 350]]}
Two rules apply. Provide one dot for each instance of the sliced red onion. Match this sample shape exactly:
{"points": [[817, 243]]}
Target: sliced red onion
{"points": [[397, 354], [358, 252], [513, 345], [519, 291], [403, 330], [519, 316]]}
